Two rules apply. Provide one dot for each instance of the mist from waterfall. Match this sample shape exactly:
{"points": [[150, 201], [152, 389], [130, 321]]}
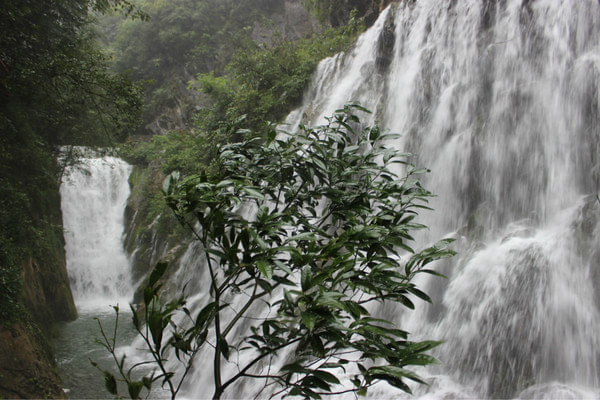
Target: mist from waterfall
{"points": [[94, 193]]}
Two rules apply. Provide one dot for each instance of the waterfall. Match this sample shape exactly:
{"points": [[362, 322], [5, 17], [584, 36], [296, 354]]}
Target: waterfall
{"points": [[93, 195], [500, 99]]}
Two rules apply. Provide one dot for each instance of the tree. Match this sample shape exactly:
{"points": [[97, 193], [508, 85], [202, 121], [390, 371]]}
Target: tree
{"points": [[55, 81], [314, 227]]}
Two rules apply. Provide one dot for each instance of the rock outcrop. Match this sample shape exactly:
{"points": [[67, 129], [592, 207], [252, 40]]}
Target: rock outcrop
{"points": [[27, 364]]}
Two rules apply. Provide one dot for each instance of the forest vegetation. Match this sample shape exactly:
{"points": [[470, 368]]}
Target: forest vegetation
{"points": [[56, 89], [210, 70]]}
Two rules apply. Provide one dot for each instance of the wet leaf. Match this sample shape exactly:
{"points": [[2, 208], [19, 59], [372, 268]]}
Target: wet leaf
{"points": [[110, 383], [134, 389], [157, 273]]}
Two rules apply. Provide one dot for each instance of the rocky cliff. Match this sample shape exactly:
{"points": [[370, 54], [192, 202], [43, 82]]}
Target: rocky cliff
{"points": [[27, 365]]}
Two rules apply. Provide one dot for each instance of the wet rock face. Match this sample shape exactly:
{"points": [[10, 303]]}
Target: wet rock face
{"points": [[26, 359], [46, 292], [26, 365], [385, 51]]}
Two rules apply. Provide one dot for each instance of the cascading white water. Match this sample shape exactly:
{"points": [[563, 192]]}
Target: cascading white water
{"points": [[500, 99], [93, 196]]}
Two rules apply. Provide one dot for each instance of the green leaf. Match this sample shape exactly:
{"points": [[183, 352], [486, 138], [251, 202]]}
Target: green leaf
{"points": [[134, 317], [331, 299], [253, 193], [420, 294], [309, 319], [434, 273], [148, 295], [205, 315], [224, 346], [147, 382], [420, 359], [295, 391], [156, 323], [425, 345], [262, 213], [314, 382], [406, 302], [317, 345], [305, 278], [302, 236], [110, 383], [354, 309], [157, 273], [265, 268], [326, 376], [134, 389], [309, 393], [282, 266]]}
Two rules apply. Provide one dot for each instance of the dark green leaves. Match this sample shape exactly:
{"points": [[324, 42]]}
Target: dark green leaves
{"points": [[318, 217], [205, 316], [134, 388], [157, 273], [110, 383], [265, 268], [329, 221]]}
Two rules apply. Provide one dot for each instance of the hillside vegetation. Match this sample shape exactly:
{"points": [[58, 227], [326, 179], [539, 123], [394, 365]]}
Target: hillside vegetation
{"points": [[211, 70]]}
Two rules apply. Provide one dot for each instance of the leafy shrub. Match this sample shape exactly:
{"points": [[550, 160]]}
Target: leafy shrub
{"points": [[330, 237]]}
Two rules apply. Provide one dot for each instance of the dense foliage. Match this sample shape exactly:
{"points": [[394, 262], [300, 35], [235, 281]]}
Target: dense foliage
{"points": [[241, 83], [300, 235], [55, 89], [181, 39], [261, 85], [266, 82]]}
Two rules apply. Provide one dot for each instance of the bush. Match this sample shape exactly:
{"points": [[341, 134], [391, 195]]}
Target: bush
{"points": [[329, 237]]}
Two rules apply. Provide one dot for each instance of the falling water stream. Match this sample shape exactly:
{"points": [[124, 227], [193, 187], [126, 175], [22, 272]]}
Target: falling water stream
{"points": [[93, 197], [500, 99]]}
